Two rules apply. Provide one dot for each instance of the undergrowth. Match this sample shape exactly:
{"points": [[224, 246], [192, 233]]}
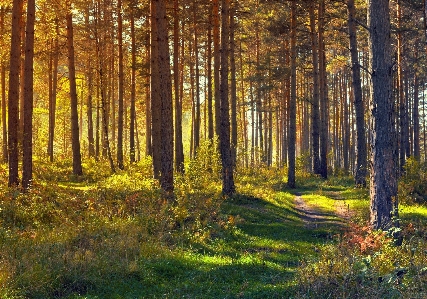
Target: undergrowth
{"points": [[106, 235]]}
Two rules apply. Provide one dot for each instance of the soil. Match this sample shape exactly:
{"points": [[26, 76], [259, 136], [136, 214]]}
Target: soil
{"points": [[314, 217]]}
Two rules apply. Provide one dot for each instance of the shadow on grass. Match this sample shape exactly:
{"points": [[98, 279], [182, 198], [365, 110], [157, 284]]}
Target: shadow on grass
{"points": [[255, 258]]}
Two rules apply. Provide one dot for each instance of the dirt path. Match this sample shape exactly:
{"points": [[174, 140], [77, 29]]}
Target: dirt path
{"points": [[313, 217]]}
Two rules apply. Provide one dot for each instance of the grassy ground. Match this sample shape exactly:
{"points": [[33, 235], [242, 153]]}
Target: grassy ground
{"points": [[103, 236]]}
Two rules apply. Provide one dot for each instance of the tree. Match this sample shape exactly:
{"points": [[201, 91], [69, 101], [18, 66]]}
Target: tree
{"points": [[121, 87], [27, 142], [3, 92], [292, 100], [315, 121], [224, 132], [165, 93], [360, 168], [75, 142], [13, 98], [383, 177]]}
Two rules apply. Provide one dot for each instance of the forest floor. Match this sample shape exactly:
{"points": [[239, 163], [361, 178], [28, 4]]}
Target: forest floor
{"points": [[114, 237]]}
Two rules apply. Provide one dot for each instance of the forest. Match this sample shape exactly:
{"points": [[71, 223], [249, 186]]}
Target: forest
{"points": [[213, 149]]}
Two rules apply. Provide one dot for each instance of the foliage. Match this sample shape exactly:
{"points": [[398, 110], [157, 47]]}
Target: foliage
{"points": [[365, 264], [413, 182]]}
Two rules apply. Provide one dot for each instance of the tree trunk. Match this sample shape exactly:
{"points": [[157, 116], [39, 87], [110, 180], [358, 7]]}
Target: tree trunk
{"points": [[133, 90], [217, 62], [233, 88], [224, 136], [156, 104], [197, 83], [209, 70], [121, 87], [3, 94], [383, 178], [323, 94], [179, 150], [13, 99], [77, 160], [27, 142], [315, 121], [166, 131], [361, 155], [416, 115], [293, 101]]}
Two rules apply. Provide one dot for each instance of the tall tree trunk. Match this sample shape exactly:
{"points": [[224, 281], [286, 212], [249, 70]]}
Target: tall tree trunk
{"points": [[13, 99], [361, 155], [77, 159], [148, 118], [121, 87], [3, 94], [197, 83], [166, 131], [383, 181], [292, 101], [315, 121], [401, 95], [27, 142], [89, 100], [233, 87], [224, 136], [323, 94], [416, 115], [156, 104], [133, 90], [179, 150], [209, 70], [217, 62]]}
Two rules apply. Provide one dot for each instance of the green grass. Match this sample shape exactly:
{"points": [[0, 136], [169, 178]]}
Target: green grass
{"points": [[114, 236]]}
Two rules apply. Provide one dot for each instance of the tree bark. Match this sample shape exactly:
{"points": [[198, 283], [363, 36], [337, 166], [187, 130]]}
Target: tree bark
{"points": [[361, 155], [224, 136], [323, 94], [217, 62], [166, 131], [383, 177], [179, 150], [293, 101], [121, 87], [315, 121], [13, 98], [77, 160], [27, 142], [133, 90], [3, 94], [233, 88]]}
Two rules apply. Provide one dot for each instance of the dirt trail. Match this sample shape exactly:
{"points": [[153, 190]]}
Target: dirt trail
{"points": [[313, 217]]}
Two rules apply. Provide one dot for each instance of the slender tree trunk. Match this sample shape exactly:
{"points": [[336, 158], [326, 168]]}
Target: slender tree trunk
{"points": [[27, 160], [209, 70], [361, 155], [292, 101], [233, 87], [89, 100], [148, 118], [13, 99], [77, 160], [217, 62], [179, 150], [156, 104], [323, 93], [315, 121], [121, 87], [416, 115], [166, 131], [3, 94], [402, 100], [133, 90], [197, 83], [224, 136], [383, 181]]}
